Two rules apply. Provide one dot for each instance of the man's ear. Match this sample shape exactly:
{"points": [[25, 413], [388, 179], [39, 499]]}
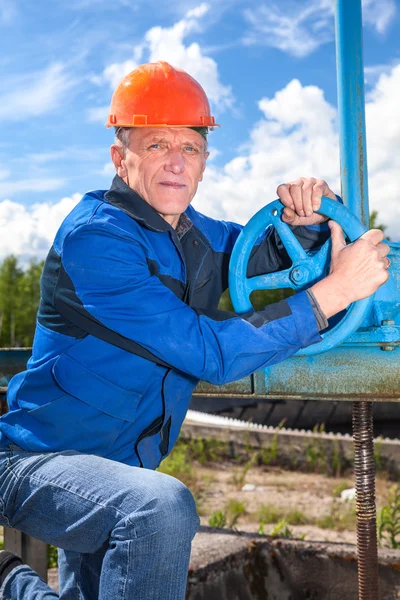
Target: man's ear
{"points": [[118, 160], [206, 155]]}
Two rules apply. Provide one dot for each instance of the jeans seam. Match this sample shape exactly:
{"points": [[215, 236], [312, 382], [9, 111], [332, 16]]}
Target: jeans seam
{"points": [[127, 563], [79, 578]]}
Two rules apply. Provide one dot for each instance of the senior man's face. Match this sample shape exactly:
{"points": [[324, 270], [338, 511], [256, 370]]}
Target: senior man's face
{"points": [[164, 166]]}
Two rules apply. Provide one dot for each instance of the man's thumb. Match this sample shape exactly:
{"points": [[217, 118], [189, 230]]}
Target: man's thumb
{"points": [[338, 240]]}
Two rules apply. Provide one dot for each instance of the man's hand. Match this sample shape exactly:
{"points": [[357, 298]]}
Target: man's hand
{"points": [[301, 198], [357, 270]]}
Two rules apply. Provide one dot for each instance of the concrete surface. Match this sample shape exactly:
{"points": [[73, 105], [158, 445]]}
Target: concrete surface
{"points": [[227, 565]]}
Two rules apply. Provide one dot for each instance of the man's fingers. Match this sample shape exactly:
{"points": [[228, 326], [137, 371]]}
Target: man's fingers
{"points": [[307, 195], [337, 236], [383, 250], [288, 215], [375, 236], [283, 192], [296, 192]]}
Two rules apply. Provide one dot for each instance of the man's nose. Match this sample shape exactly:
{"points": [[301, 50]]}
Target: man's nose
{"points": [[175, 162]]}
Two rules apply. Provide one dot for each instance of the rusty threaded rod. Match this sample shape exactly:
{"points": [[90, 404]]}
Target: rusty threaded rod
{"points": [[364, 469]]}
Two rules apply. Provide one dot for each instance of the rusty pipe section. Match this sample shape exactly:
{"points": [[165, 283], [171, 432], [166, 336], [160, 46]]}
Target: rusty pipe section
{"points": [[364, 467]]}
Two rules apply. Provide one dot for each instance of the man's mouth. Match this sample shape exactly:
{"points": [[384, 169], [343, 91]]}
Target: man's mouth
{"points": [[172, 184]]}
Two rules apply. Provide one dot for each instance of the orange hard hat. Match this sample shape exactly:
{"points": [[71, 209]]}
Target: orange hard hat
{"points": [[159, 95]]}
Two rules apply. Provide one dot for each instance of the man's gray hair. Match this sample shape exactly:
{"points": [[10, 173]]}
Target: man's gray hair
{"points": [[122, 136]]}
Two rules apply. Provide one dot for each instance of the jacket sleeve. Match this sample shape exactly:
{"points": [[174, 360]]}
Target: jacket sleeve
{"points": [[105, 286]]}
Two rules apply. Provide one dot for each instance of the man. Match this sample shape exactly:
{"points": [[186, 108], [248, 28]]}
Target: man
{"points": [[127, 325]]}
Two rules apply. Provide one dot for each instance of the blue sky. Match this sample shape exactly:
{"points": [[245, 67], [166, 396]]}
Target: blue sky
{"points": [[268, 68]]}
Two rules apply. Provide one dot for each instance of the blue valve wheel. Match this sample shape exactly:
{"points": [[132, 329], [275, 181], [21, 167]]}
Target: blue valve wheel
{"points": [[306, 268]]}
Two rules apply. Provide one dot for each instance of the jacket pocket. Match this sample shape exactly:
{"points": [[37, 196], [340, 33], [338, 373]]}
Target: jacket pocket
{"points": [[91, 388]]}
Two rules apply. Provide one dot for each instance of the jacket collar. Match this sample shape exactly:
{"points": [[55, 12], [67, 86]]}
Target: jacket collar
{"points": [[125, 198]]}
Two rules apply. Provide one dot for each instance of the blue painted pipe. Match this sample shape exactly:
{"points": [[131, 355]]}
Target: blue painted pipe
{"points": [[351, 105]]}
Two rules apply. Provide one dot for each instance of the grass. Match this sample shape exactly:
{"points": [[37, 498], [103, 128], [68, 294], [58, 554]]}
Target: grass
{"points": [[217, 519], [229, 515], [388, 522], [234, 510], [282, 530]]}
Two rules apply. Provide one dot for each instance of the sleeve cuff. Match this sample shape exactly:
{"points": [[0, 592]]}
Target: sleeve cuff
{"points": [[304, 319], [320, 317]]}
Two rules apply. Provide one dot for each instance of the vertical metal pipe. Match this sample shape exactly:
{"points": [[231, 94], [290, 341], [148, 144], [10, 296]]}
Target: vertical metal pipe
{"points": [[354, 179], [351, 107]]}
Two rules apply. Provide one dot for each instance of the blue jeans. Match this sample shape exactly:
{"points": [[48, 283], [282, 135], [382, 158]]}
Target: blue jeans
{"points": [[125, 533]]}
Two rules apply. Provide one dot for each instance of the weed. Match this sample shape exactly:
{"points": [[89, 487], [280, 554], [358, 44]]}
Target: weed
{"points": [[239, 479], [315, 451], [206, 450], [337, 459], [268, 513], [342, 485], [296, 517], [282, 530], [217, 519], [178, 465], [341, 517], [389, 519], [234, 510], [270, 455]]}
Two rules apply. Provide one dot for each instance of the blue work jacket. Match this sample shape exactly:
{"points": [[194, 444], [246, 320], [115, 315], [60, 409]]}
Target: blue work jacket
{"points": [[128, 324]]}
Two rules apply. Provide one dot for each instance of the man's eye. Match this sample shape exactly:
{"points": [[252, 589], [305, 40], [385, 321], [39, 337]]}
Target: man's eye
{"points": [[155, 146], [190, 149]]}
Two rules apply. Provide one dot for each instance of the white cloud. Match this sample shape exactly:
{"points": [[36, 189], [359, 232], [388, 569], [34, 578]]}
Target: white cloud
{"points": [[198, 12], [31, 95], [168, 43], [383, 131], [379, 13], [98, 115], [108, 170], [28, 232], [117, 71], [299, 28], [8, 187]]}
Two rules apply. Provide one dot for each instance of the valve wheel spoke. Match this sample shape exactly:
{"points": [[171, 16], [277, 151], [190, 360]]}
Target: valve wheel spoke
{"points": [[270, 281], [288, 239]]}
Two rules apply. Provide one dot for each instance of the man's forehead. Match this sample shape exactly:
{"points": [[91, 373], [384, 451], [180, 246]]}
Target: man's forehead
{"points": [[171, 133]]}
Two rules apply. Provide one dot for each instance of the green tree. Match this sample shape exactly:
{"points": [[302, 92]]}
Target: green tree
{"points": [[28, 294], [10, 276], [19, 301]]}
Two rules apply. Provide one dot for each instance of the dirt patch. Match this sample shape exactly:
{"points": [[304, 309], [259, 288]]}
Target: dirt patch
{"points": [[310, 503]]}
